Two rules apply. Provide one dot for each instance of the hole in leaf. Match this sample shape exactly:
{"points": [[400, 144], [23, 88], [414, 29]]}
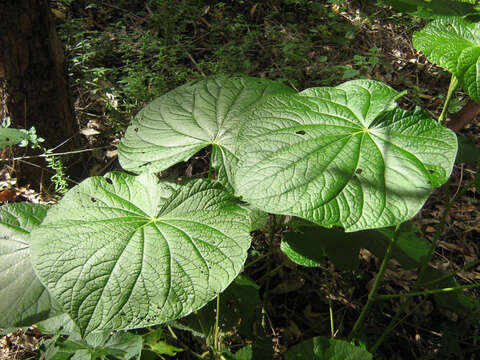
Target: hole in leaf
{"points": [[358, 171], [136, 129], [7, 139], [300, 132], [109, 181], [429, 183], [431, 171], [93, 199]]}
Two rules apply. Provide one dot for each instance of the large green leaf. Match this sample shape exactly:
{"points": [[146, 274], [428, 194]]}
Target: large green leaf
{"points": [[122, 252], [345, 156], [206, 112], [24, 299], [454, 44], [322, 348]]}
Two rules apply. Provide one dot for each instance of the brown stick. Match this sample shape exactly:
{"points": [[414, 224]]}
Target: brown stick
{"points": [[461, 118]]}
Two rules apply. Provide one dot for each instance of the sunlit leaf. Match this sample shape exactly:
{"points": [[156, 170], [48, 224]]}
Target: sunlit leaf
{"points": [[123, 252], [344, 156], [454, 44], [205, 112]]}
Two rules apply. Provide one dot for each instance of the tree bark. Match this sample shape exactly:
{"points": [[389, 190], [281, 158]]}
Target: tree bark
{"points": [[33, 73]]}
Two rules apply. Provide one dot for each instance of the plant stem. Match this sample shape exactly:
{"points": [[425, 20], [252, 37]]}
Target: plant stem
{"points": [[463, 268], [332, 325], [376, 285], [258, 259], [394, 322], [451, 90], [330, 307], [185, 346], [46, 155], [216, 341], [426, 292]]}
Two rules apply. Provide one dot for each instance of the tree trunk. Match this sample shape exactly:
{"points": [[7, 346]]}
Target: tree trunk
{"points": [[32, 70]]}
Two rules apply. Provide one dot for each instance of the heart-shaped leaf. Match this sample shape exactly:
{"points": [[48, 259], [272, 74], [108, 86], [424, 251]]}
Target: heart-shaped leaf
{"points": [[322, 348], [191, 117], [454, 44], [123, 252], [24, 299], [344, 156]]}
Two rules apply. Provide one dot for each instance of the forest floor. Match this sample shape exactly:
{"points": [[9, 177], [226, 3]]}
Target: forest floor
{"points": [[122, 54]]}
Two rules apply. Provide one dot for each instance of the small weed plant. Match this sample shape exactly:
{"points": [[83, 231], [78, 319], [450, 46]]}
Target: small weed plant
{"points": [[127, 251]]}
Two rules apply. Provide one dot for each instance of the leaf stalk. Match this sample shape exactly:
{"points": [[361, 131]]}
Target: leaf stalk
{"points": [[216, 340], [451, 90], [394, 322], [426, 292], [376, 285]]}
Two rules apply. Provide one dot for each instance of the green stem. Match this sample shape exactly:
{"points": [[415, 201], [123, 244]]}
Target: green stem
{"points": [[216, 341], [446, 276], [426, 292], [376, 285], [394, 322], [185, 346], [330, 307], [258, 259], [451, 90], [332, 325]]}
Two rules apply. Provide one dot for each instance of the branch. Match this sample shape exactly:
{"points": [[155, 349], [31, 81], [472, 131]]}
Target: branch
{"points": [[460, 119]]}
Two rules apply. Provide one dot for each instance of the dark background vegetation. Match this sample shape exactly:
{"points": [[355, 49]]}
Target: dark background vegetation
{"points": [[122, 54]]}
